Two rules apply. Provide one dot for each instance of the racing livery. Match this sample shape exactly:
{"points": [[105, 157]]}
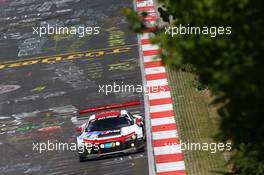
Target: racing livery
{"points": [[112, 132]]}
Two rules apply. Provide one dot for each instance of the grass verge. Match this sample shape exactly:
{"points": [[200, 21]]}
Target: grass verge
{"points": [[196, 123]]}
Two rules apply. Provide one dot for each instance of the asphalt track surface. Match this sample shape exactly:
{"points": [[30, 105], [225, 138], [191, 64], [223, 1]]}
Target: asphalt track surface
{"points": [[44, 81]]}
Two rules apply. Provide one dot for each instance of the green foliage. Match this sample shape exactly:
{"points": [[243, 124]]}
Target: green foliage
{"points": [[231, 65], [135, 20]]}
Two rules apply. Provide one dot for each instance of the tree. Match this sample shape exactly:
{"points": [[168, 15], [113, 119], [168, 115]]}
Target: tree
{"points": [[231, 65]]}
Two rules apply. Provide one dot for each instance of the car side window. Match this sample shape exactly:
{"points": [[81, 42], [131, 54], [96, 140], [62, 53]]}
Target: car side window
{"points": [[87, 126], [131, 117]]}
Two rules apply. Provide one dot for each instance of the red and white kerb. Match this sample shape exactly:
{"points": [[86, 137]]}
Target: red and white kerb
{"points": [[167, 153]]}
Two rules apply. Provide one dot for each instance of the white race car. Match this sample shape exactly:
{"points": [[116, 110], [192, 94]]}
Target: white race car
{"points": [[112, 132]]}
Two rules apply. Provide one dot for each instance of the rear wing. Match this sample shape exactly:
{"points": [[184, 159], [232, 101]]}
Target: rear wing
{"points": [[112, 106]]}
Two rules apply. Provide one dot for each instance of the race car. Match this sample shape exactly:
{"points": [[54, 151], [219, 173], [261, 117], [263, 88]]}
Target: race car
{"points": [[111, 132]]}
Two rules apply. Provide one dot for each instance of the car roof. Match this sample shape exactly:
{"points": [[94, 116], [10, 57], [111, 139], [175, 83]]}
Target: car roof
{"points": [[107, 113]]}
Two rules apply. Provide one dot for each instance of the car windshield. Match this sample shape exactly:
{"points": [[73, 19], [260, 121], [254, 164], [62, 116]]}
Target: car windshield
{"points": [[109, 123]]}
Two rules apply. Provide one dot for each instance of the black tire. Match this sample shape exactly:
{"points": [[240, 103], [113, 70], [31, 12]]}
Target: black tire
{"points": [[144, 133], [141, 148], [81, 159]]}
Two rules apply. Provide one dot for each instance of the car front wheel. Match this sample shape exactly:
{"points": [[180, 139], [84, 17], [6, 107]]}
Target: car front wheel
{"points": [[81, 159]]}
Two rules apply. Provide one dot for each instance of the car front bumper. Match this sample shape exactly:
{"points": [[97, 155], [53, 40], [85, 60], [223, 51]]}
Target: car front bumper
{"points": [[124, 148]]}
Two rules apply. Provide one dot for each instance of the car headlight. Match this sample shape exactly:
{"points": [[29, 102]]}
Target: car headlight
{"points": [[134, 137], [102, 146], [117, 143]]}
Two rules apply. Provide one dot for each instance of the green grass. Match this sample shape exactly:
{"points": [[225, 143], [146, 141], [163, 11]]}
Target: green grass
{"points": [[196, 123]]}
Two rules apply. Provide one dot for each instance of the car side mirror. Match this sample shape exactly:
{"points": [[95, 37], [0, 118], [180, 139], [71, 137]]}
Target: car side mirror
{"points": [[138, 121], [78, 129]]}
